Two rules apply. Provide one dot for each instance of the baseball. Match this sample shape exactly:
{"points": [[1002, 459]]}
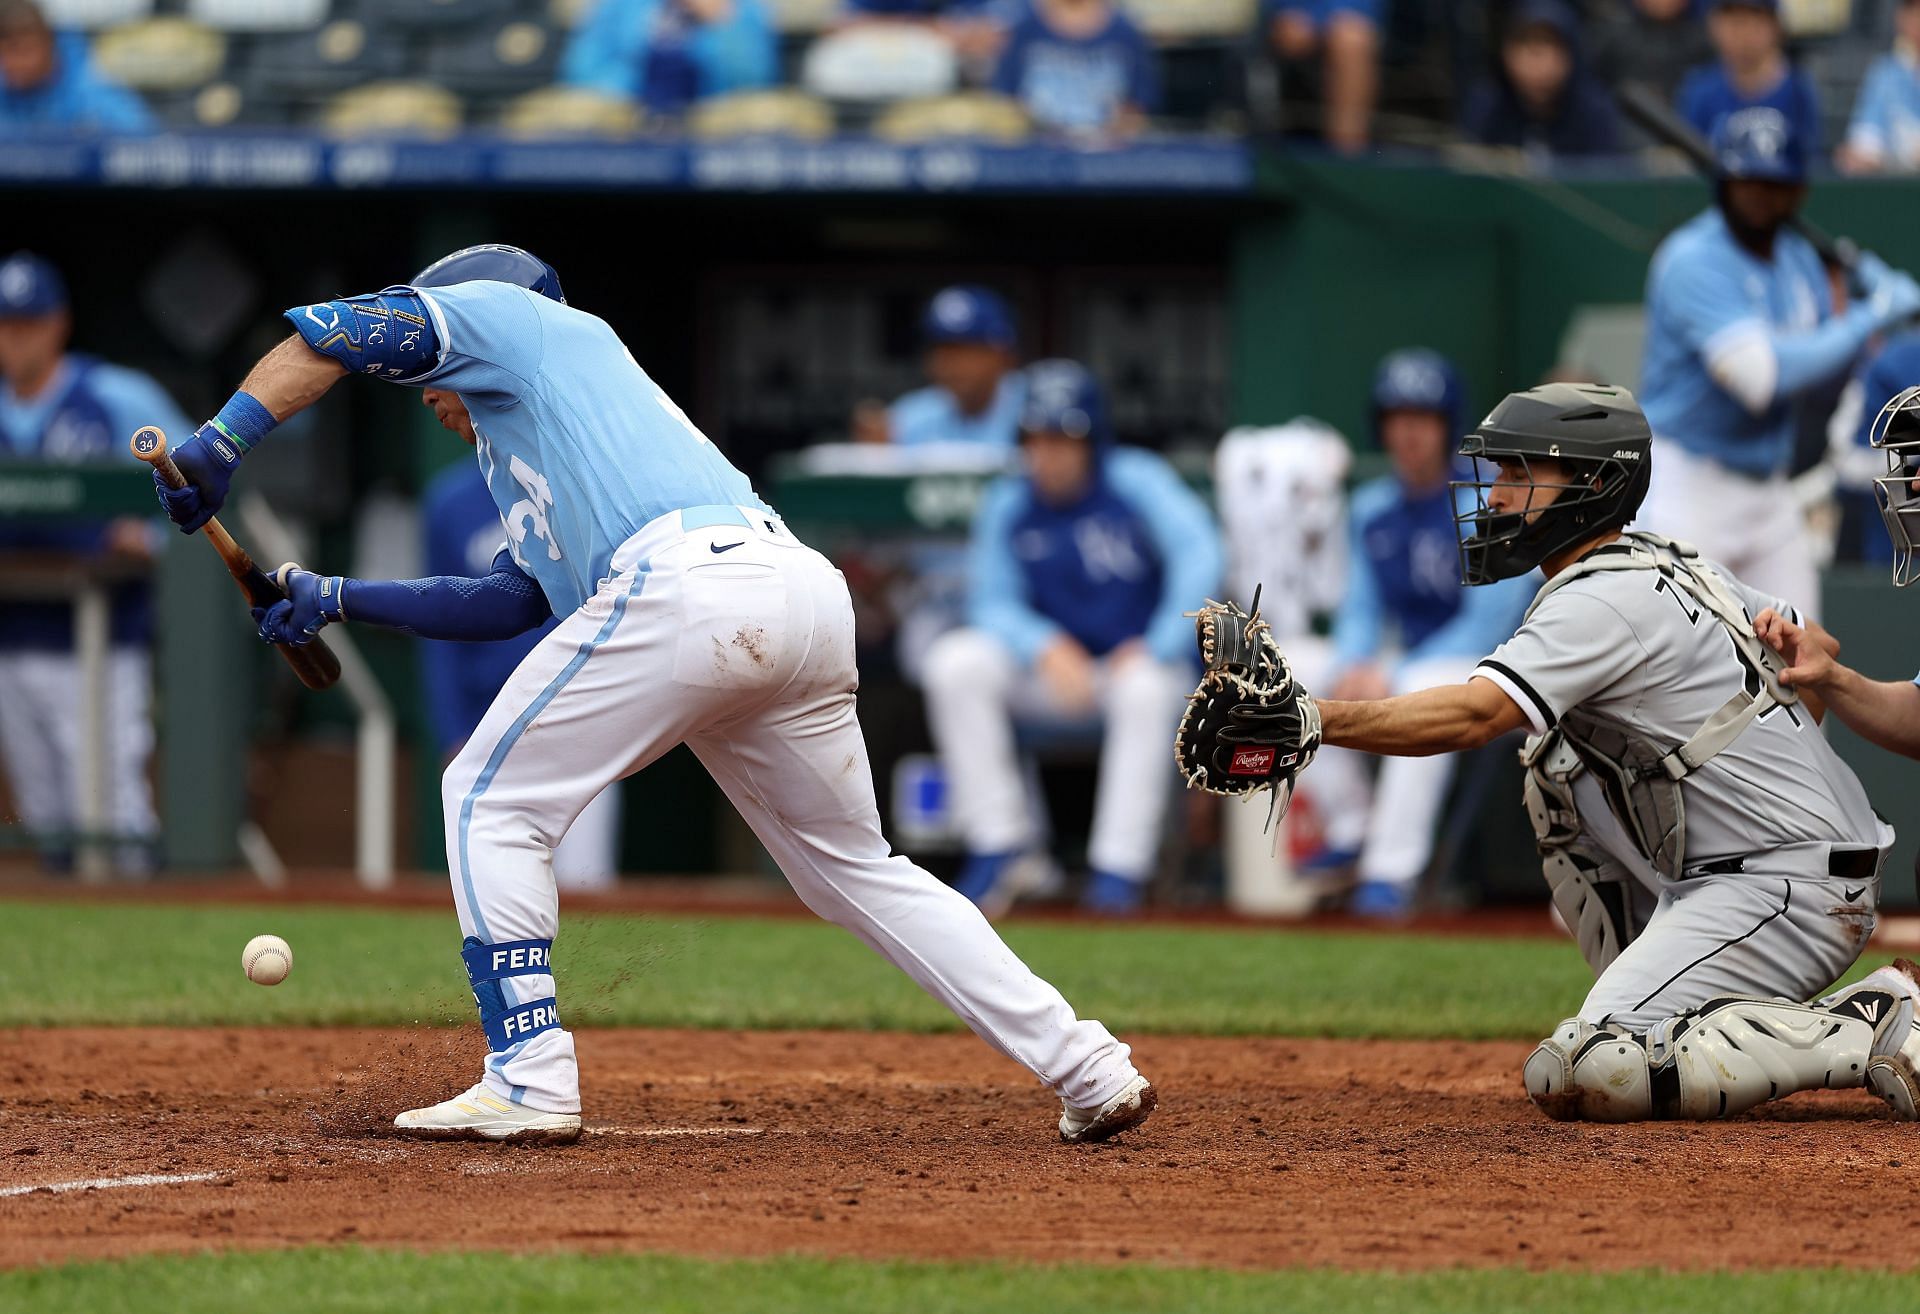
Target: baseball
{"points": [[266, 960]]}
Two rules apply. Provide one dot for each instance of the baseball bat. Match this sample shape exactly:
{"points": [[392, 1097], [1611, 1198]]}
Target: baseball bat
{"points": [[1657, 119], [313, 662]]}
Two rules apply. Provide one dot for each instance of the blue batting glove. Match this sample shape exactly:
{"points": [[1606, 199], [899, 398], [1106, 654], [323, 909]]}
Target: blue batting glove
{"points": [[312, 602], [207, 460]]}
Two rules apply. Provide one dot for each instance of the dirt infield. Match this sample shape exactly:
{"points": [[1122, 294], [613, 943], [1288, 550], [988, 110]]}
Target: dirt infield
{"points": [[1264, 1153]]}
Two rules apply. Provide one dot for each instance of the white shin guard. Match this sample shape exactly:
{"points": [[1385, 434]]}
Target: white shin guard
{"points": [[1719, 1060]]}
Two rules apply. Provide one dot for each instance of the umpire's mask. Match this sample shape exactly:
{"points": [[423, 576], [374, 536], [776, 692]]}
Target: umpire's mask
{"points": [[1599, 437], [1896, 431]]}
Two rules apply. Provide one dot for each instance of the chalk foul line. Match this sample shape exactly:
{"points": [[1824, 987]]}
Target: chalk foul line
{"points": [[111, 1183]]}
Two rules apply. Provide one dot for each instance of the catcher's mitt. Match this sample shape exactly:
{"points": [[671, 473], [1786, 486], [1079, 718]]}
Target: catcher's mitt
{"points": [[1249, 726]]}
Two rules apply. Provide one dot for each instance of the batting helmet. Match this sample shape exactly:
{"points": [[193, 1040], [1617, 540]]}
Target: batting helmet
{"points": [[1417, 379], [1062, 397], [1759, 142], [493, 263], [1601, 440]]}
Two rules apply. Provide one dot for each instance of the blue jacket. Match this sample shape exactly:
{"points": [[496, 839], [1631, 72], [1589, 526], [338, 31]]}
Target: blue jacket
{"points": [[1138, 551], [1404, 571], [1707, 96], [464, 535], [1583, 122], [75, 97], [645, 50], [84, 418]]}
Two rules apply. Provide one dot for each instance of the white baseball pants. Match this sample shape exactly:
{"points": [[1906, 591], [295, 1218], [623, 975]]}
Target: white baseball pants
{"points": [[1753, 527], [975, 689], [736, 639], [40, 729]]}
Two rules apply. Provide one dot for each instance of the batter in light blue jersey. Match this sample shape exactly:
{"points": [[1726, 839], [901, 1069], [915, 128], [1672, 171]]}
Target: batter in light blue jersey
{"points": [[688, 614], [1741, 323]]}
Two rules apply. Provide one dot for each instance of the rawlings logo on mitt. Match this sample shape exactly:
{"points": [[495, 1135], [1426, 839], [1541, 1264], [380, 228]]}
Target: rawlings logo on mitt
{"points": [[1249, 725]]}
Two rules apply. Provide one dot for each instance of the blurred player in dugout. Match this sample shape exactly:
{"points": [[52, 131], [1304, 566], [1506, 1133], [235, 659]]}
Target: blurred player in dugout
{"points": [[464, 535], [1082, 568], [1405, 624], [1742, 321], [974, 385], [60, 407]]}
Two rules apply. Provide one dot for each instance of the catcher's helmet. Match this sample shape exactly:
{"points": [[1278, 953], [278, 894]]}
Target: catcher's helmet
{"points": [[493, 263], [1896, 431], [1599, 437], [1759, 142], [1063, 397], [1417, 379]]}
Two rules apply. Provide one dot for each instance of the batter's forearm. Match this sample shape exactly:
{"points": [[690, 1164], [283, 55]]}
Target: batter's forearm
{"points": [[1883, 712], [1450, 719], [292, 377]]}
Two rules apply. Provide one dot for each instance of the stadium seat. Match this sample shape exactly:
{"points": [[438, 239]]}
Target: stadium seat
{"points": [[91, 15], [501, 59], [569, 14], [221, 104], [259, 15], [880, 63], [429, 14], [394, 109], [161, 54], [310, 65], [804, 17], [978, 115], [571, 112], [1187, 20], [762, 114], [1807, 18]]}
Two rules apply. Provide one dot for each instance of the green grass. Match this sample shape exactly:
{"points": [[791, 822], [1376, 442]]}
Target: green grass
{"points": [[344, 1281], [69, 964]]}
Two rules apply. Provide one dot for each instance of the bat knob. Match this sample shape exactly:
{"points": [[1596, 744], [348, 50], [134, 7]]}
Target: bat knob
{"points": [[149, 442]]}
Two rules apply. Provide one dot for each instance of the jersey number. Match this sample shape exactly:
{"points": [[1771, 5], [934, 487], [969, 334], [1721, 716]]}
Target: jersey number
{"points": [[529, 514]]}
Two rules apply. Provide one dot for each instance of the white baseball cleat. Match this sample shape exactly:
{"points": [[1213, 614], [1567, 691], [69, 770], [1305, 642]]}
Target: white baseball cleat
{"points": [[1127, 1109], [1892, 1078], [480, 1115]]}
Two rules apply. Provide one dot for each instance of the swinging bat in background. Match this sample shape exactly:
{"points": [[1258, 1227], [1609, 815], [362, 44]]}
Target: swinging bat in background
{"points": [[313, 662], [1657, 119]]}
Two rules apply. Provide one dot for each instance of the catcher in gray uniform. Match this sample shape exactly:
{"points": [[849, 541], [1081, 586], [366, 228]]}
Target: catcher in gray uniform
{"points": [[1716, 860]]}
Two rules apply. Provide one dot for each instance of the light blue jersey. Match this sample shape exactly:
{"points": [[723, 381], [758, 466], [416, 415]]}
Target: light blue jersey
{"points": [[930, 415], [1707, 297], [1885, 127], [579, 447]]}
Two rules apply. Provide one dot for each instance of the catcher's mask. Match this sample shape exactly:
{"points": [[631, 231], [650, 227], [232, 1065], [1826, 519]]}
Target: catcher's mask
{"points": [[1601, 441], [1896, 431]]}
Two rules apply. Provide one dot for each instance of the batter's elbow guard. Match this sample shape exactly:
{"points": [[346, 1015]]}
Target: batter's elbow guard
{"points": [[386, 334]]}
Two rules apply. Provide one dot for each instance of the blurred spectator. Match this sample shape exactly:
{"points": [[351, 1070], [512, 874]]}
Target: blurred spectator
{"points": [[974, 391], [667, 54], [1752, 69], [1407, 623], [1346, 35], [1652, 42], [1080, 66], [68, 409], [47, 82], [463, 538], [1884, 135], [1544, 98], [1082, 568]]}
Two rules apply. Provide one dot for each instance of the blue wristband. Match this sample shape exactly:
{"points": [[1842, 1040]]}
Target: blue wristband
{"points": [[244, 420]]}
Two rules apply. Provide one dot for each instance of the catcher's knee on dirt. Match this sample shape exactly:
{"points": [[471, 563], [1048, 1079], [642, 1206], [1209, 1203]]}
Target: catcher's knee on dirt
{"points": [[1717, 1061], [1584, 1072]]}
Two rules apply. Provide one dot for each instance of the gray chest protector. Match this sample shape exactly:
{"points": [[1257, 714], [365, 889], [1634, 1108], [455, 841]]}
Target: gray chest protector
{"points": [[1639, 776]]}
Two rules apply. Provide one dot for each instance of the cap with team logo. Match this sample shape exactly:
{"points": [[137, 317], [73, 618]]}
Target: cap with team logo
{"points": [[1064, 398], [965, 313], [30, 287], [1759, 142]]}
